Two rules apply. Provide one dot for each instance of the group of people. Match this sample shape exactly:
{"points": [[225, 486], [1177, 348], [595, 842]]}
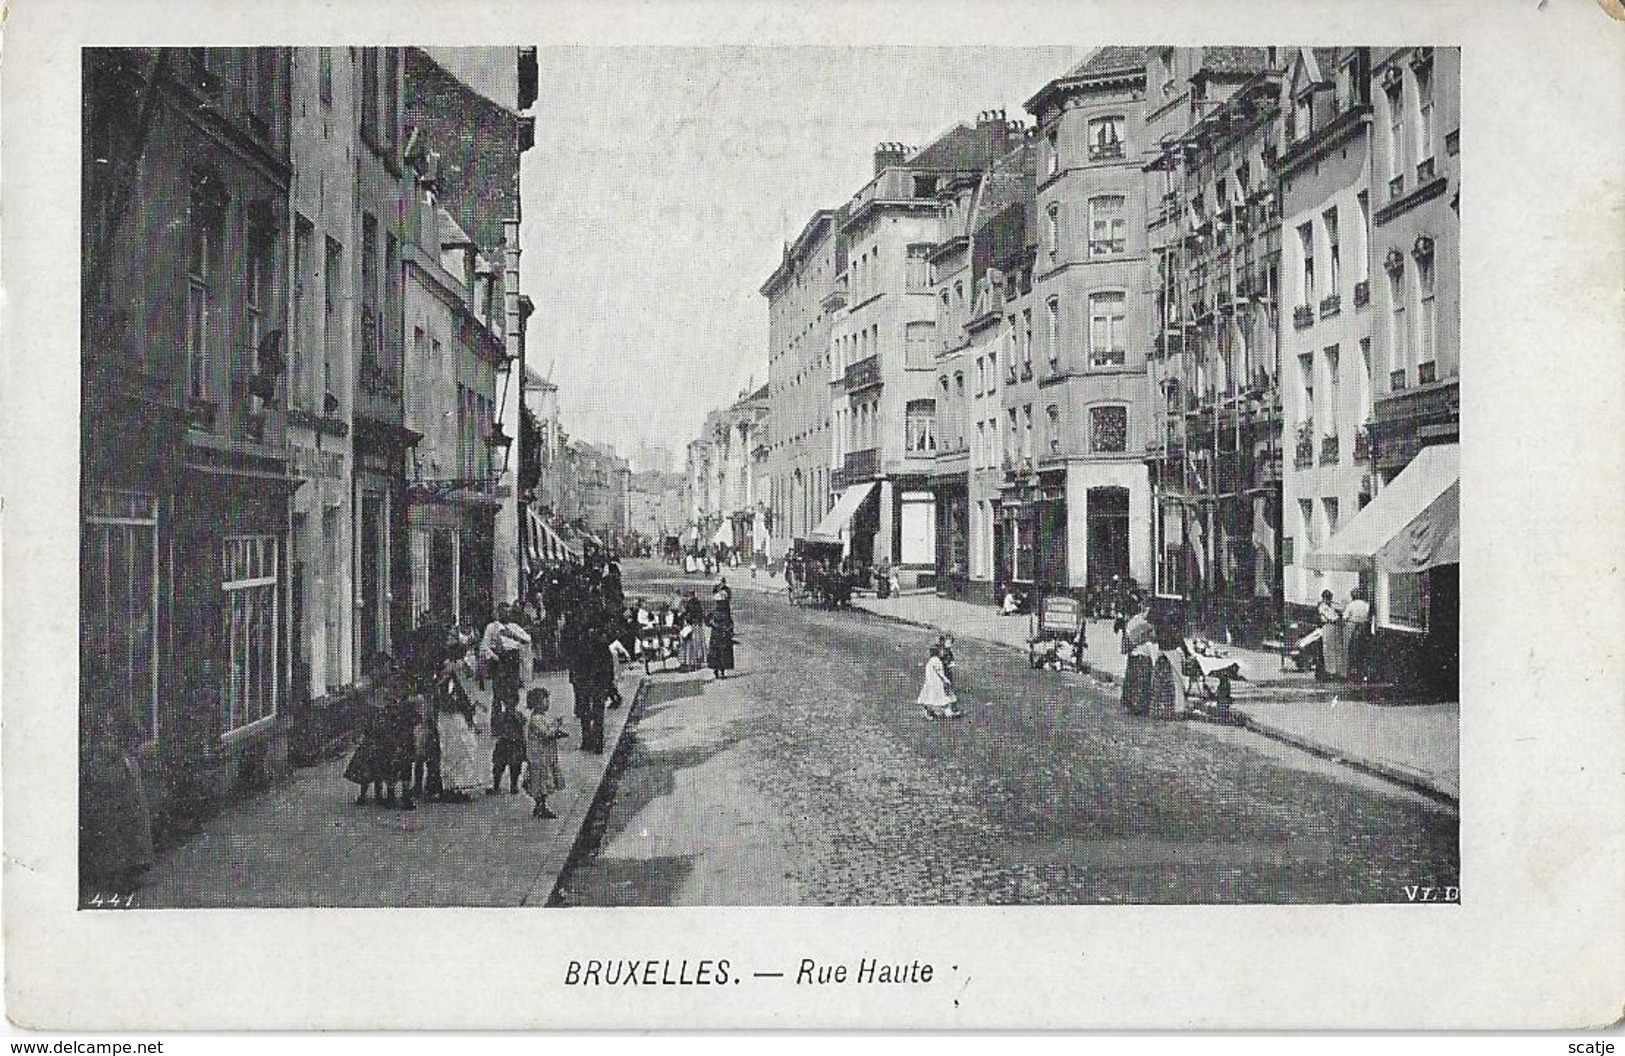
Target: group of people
{"points": [[682, 630], [828, 581], [1345, 637]]}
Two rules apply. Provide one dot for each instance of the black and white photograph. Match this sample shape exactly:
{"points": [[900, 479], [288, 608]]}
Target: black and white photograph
{"points": [[1054, 503], [882, 525]]}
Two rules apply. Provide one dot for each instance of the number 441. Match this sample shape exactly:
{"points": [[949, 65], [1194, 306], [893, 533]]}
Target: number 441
{"points": [[101, 901]]}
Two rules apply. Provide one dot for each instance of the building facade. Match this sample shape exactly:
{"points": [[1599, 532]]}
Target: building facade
{"points": [[186, 481], [803, 294], [1080, 496]]}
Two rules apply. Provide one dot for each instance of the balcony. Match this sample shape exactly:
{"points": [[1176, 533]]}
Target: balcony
{"points": [[861, 465], [1303, 317], [1105, 247], [1396, 380], [1329, 450], [864, 374], [1330, 305], [1106, 151], [1424, 171], [836, 297], [1362, 293]]}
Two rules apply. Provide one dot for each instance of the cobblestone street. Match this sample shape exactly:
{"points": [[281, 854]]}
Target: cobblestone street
{"points": [[811, 777]]}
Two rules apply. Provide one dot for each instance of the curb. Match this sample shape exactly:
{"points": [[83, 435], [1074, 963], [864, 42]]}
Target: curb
{"points": [[1388, 772], [614, 764]]}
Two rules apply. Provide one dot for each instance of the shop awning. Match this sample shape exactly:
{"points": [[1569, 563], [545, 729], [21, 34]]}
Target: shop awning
{"points": [[545, 544], [1411, 526], [829, 529]]}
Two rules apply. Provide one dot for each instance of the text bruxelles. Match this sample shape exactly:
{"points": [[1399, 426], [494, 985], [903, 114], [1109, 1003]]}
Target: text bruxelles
{"points": [[663, 972]]}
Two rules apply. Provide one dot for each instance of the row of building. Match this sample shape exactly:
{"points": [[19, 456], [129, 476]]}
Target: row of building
{"points": [[1185, 327], [302, 338]]}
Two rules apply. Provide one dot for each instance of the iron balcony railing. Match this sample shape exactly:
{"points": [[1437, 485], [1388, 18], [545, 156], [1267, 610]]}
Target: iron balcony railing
{"points": [[861, 465], [863, 374]]}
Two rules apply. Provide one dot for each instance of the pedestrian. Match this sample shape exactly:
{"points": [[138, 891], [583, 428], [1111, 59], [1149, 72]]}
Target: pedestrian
{"points": [[1333, 661], [115, 819], [424, 765], [542, 736], [459, 751], [691, 617], [937, 697], [719, 656], [1138, 644], [508, 753], [1357, 623], [503, 645]]}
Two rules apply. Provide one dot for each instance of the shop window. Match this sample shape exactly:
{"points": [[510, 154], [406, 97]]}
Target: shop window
{"points": [[118, 605], [249, 612], [1408, 601]]}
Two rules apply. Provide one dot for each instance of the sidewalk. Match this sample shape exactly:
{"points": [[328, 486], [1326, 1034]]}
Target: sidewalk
{"points": [[305, 842], [1413, 744]]}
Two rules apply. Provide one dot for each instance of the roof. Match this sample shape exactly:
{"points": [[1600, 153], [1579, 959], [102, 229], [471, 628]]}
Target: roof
{"points": [[1232, 61], [1113, 58], [961, 147]]}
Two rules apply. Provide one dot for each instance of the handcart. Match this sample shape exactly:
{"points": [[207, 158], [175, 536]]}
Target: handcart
{"points": [[1058, 639]]}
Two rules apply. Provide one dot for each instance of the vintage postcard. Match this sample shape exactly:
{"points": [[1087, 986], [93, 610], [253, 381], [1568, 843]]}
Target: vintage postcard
{"points": [[778, 516]]}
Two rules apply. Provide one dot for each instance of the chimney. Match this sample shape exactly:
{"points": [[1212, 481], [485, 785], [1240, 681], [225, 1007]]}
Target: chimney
{"points": [[888, 155]]}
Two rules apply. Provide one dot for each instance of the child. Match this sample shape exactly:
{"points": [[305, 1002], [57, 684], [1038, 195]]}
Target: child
{"points": [[937, 692], [542, 738], [508, 727]]}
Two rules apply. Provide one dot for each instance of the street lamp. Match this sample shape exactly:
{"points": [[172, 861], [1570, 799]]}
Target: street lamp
{"points": [[497, 440]]}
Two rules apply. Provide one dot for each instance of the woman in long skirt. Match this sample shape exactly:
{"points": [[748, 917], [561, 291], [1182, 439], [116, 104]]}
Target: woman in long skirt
{"points": [[719, 656], [460, 770], [692, 620]]}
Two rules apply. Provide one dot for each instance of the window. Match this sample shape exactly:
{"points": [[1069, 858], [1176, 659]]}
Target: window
{"points": [[249, 612], [1107, 323], [917, 339], [1363, 250], [324, 75], [1052, 163], [1424, 112], [1329, 218], [920, 427], [1332, 377], [1012, 438], [980, 454], [1306, 245], [369, 94], [371, 324], [1054, 308], [389, 343], [332, 270], [1052, 429], [1396, 134], [1408, 601], [1345, 86], [1330, 508], [1303, 116], [1027, 343], [303, 344], [390, 104], [1108, 429], [1106, 226], [1027, 431], [202, 264], [1009, 341], [257, 286], [1424, 313], [118, 603], [1053, 230], [1306, 379], [917, 267], [1399, 358], [1105, 138]]}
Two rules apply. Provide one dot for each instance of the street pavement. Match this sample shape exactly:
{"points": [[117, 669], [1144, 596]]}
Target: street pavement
{"points": [[1414, 744], [811, 777], [305, 842]]}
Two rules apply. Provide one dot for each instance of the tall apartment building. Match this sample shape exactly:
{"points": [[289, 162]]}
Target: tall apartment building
{"points": [[1408, 538], [1077, 502], [803, 295], [884, 350], [323, 133], [1214, 226]]}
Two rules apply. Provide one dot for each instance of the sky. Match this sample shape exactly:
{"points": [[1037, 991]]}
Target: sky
{"points": [[664, 183]]}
